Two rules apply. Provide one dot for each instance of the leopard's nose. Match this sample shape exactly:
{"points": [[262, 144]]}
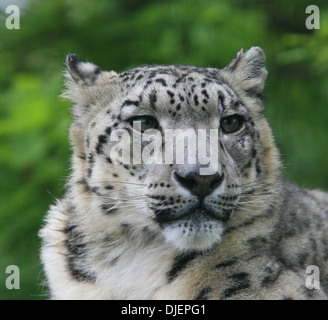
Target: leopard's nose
{"points": [[199, 185]]}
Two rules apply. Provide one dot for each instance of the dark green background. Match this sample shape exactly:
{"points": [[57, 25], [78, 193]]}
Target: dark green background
{"points": [[117, 35]]}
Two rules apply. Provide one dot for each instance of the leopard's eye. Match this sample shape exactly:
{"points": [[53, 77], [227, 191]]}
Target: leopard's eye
{"points": [[232, 123], [144, 123]]}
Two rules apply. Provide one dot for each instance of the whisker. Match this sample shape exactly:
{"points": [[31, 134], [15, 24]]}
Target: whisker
{"points": [[260, 195], [160, 207], [263, 185], [253, 203], [243, 208], [252, 182], [256, 200], [124, 198], [123, 182], [119, 198], [253, 193]]}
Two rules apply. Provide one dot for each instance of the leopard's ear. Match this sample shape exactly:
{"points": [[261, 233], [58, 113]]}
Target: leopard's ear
{"points": [[89, 88], [248, 70], [83, 73], [83, 79]]}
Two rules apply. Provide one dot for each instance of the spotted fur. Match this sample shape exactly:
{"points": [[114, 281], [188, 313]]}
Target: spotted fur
{"points": [[159, 231]]}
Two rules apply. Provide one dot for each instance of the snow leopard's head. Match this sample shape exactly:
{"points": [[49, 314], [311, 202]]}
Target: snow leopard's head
{"points": [[179, 152]]}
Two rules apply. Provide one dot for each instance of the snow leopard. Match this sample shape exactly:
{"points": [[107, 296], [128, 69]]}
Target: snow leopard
{"points": [[135, 224]]}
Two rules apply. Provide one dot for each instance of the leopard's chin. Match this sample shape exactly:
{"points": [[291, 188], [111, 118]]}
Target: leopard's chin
{"points": [[194, 232]]}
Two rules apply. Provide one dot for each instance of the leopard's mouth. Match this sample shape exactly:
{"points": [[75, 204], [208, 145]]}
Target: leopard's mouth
{"points": [[196, 214]]}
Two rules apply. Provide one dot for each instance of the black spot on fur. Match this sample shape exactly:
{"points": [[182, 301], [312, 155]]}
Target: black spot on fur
{"points": [[115, 260], [95, 190], [162, 81], [247, 166], [204, 92], [226, 263], [85, 185], [240, 281], [258, 167], [76, 250], [127, 231], [221, 98], [254, 152], [170, 93], [272, 274], [257, 243], [99, 148], [107, 209], [90, 161], [101, 140], [180, 263], [202, 295], [130, 103], [196, 100], [309, 293], [81, 156], [108, 131], [149, 236], [153, 99]]}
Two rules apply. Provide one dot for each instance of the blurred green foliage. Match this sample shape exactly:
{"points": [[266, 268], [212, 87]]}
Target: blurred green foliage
{"points": [[119, 34]]}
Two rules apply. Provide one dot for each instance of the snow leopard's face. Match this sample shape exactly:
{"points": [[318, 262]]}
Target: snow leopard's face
{"points": [[171, 151]]}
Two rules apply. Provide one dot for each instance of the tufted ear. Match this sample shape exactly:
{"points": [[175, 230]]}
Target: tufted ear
{"points": [[84, 79], [89, 88], [83, 73], [248, 70]]}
